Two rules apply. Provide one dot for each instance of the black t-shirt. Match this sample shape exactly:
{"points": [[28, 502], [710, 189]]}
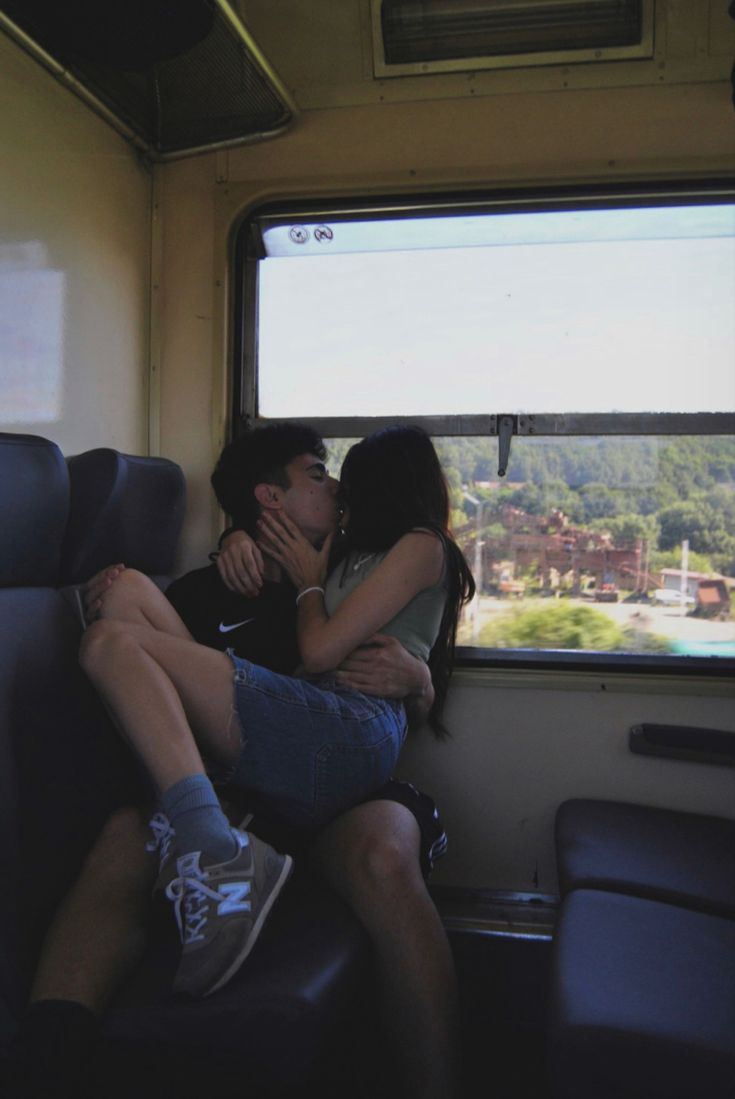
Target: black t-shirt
{"points": [[262, 629]]}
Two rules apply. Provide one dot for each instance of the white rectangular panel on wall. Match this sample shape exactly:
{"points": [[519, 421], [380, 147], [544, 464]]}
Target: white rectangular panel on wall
{"points": [[75, 206]]}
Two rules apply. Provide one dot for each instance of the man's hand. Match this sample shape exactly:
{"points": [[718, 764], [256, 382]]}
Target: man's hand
{"points": [[384, 668], [240, 564], [93, 591]]}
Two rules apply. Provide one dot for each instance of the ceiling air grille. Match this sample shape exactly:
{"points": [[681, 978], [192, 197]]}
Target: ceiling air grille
{"points": [[430, 36], [175, 76]]}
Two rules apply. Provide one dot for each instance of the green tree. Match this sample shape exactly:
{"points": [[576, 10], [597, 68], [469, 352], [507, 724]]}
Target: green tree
{"points": [[598, 502], [698, 522], [671, 559], [566, 626], [627, 530], [553, 626]]}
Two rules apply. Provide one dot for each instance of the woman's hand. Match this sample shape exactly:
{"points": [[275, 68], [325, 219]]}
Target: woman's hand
{"points": [[93, 592], [240, 564], [282, 540]]}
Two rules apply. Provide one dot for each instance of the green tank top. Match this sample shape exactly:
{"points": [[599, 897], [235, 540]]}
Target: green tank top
{"points": [[416, 626]]}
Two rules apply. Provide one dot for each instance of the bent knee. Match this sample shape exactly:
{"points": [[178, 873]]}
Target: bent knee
{"points": [[372, 850], [385, 859], [98, 640], [130, 583]]}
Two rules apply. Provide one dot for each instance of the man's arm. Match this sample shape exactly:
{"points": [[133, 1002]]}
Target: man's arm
{"points": [[385, 668], [240, 563]]}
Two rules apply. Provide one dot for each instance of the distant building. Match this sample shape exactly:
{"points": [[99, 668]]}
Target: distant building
{"points": [[671, 579]]}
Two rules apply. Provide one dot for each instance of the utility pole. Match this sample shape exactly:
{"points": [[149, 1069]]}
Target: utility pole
{"points": [[684, 571], [477, 566]]}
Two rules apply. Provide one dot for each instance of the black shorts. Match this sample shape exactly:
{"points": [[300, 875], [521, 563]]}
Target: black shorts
{"points": [[285, 838], [433, 836]]}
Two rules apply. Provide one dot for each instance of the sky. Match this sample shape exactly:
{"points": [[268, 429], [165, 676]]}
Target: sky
{"points": [[578, 311]]}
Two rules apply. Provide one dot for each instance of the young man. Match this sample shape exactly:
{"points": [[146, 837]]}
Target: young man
{"points": [[375, 856]]}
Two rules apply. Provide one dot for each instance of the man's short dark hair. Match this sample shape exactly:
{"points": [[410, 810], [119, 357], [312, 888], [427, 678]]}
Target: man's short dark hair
{"points": [[260, 456]]}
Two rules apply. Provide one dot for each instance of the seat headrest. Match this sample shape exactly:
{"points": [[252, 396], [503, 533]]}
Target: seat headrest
{"points": [[34, 504], [123, 508]]}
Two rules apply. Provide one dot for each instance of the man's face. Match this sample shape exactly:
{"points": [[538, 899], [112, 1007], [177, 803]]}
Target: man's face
{"points": [[311, 499]]}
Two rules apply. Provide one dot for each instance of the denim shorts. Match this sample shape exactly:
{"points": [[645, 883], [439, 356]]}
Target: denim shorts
{"points": [[310, 747]]}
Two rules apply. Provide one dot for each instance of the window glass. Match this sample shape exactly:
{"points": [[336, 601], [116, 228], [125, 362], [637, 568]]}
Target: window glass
{"points": [[547, 317], [616, 545], [627, 310]]}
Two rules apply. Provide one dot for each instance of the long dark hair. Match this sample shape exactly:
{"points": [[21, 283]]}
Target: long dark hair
{"points": [[392, 482]]}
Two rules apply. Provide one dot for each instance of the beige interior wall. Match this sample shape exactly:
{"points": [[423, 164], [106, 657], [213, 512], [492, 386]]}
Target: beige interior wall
{"points": [[326, 53], [522, 743], [190, 320], [74, 268]]}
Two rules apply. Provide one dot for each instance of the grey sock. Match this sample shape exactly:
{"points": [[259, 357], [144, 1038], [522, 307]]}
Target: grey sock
{"points": [[194, 810]]}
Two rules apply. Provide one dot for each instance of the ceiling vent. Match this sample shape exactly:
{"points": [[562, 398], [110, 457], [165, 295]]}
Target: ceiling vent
{"points": [[415, 37], [176, 77]]}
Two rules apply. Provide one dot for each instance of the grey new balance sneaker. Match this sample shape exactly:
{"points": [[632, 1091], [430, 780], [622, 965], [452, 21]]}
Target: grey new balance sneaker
{"points": [[221, 909], [163, 842]]}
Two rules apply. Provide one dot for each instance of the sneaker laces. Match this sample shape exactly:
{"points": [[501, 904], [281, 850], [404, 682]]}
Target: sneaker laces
{"points": [[192, 896], [164, 835]]}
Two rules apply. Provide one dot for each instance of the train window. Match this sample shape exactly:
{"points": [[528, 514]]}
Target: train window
{"points": [[572, 357]]}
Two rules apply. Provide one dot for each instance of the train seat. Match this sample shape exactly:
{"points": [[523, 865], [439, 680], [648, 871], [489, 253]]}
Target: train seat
{"points": [[284, 1024], [34, 493], [642, 1003], [63, 769], [642, 996], [122, 508], [684, 858], [60, 770]]}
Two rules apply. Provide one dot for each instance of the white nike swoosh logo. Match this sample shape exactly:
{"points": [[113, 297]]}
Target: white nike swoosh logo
{"points": [[226, 629]]}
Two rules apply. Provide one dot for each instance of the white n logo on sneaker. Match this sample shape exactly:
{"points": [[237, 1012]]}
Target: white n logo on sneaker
{"points": [[233, 898]]}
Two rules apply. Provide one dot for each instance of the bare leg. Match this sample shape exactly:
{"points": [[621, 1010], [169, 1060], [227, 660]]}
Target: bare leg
{"points": [[97, 936], [168, 695], [133, 597], [370, 856], [100, 931]]}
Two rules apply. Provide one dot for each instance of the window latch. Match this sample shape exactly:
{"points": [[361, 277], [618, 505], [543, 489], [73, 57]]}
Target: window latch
{"points": [[507, 428]]}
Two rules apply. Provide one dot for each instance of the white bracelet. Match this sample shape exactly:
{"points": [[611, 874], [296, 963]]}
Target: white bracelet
{"points": [[306, 592]]}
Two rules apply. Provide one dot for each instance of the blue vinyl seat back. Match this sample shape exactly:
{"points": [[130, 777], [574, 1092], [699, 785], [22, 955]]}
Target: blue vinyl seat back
{"points": [[683, 858], [62, 767], [122, 509], [34, 506], [643, 983], [72, 768]]}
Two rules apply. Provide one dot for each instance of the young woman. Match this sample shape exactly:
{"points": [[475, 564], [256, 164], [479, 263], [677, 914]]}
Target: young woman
{"points": [[306, 744]]}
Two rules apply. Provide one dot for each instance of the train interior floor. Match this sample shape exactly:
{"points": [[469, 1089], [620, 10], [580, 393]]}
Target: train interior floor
{"points": [[502, 952]]}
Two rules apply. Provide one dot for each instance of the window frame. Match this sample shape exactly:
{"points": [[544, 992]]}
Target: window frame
{"points": [[500, 423]]}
